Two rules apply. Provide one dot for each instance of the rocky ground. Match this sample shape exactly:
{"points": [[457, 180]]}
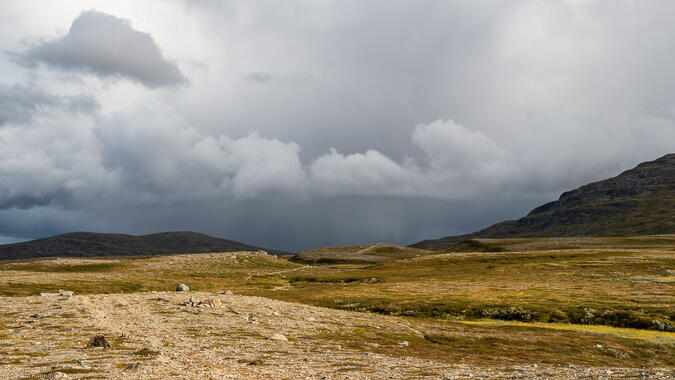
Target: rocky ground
{"points": [[193, 335]]}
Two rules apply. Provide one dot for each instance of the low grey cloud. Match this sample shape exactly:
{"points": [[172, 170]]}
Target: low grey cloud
{"points": [[107, 46], [19, 104]]}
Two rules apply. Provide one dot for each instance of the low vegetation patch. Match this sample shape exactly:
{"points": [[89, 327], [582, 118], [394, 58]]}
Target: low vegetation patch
{"points": [[69, 268]]}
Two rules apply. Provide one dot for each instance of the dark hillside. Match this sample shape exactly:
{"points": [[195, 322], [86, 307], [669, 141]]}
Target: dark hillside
{"points": [[640, 201], [90, 244]]}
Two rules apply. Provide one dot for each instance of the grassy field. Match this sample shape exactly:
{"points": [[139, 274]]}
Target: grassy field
{"points": [[619, 291]]}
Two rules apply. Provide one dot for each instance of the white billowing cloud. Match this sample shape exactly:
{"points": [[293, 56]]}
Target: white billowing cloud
{"points": [[107, 46], [52, 163], [368, 173], [449, 145], [457, 162], [152, 156], [263, 167], [160, 156]]}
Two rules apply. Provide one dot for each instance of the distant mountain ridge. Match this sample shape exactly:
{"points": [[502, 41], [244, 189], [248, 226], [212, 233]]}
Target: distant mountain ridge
{"points": [[639, 201], [91, 244]]}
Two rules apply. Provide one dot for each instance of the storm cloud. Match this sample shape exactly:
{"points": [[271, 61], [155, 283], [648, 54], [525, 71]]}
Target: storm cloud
{"points": [[107, 46], [342, 126]]}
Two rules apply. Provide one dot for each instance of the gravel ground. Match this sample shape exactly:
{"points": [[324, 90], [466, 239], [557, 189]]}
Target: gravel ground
{"points": [[193, 335]]}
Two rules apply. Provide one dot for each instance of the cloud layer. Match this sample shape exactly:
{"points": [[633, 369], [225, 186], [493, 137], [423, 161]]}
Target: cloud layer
{"points": [[337, 127]]}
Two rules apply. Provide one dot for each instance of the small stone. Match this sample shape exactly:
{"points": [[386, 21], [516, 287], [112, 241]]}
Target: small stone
{"points": [[66, 293], [182, 288], [404, 343], [279, 337]]}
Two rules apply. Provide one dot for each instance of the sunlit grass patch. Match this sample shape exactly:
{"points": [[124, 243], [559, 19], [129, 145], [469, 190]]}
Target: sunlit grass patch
{"points": [[647, 335]]}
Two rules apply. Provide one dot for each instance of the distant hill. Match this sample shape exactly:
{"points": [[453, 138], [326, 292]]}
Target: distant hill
{"points": [[90, 244], [640, 201], [353, 254]]}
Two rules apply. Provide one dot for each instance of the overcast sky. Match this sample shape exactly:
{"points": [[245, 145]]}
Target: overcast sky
{"points": [[296, 124]]}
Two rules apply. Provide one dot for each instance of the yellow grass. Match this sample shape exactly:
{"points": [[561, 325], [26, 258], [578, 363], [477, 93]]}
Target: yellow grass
{"points": [[647, 335]]}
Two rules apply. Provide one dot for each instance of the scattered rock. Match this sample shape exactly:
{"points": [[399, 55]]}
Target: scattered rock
{"points": [[404, 343], [42, 314], [98, 341], [182, 288], [203, 303], [279, 337]]}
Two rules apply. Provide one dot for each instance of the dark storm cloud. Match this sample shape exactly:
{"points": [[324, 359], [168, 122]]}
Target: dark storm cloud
{"points": [[106, 46], [27, 201], [19, 104]]}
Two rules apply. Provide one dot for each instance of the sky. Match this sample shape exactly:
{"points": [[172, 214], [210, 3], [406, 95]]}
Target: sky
{"points": [[299, 124]]}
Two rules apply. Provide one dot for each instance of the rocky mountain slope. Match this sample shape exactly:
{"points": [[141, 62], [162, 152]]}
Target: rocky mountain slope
{"points": [[640, 201], [89, 244]]}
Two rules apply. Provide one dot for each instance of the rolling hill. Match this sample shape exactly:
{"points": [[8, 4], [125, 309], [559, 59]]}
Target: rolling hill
{"points": [[352, 254], [90, 244], [640, 201]]}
